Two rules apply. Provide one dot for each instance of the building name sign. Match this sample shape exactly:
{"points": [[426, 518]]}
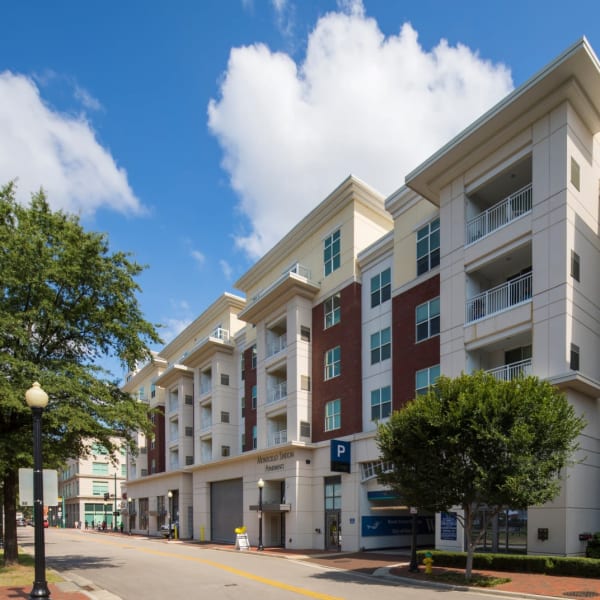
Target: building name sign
{"points": [[274, 458]]}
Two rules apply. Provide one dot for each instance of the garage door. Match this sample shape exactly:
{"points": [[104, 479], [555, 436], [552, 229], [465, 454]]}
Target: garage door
{"points": [[226, 502]]}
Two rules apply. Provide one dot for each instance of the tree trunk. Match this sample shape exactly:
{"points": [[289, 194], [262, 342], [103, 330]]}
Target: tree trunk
{"points": [[11, 552], [468, 509]]}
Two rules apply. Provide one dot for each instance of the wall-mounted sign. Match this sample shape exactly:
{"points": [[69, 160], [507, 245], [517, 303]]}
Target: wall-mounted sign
{"points": [[340, 456]]}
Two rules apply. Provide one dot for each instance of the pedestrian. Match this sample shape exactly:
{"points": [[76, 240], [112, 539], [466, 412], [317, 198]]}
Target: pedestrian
{"points": [[103, 525]]}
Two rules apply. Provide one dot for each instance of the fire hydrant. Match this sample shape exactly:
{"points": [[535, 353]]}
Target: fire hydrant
{"points": [[428, 562]]}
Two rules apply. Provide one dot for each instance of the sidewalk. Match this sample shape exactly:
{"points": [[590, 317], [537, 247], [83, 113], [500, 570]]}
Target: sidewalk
{"points": [[389, 565]]}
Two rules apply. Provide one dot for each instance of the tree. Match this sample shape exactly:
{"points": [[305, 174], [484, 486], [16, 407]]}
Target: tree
{"points": [[65, 303], [475, 442]]}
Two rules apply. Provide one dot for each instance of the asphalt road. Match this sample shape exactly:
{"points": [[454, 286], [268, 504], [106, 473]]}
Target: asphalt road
{"points": [[134, 567]]}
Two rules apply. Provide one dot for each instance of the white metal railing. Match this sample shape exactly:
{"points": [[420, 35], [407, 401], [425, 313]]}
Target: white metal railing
{"points": [[499, 298], [502, 213], [279, 437], [276, 345], [512, 370], [205, 387], [297, 268], [205, 424], [277, 392], [220, 334], [173, 403]]}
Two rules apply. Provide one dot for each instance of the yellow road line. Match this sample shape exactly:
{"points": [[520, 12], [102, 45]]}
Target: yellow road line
{"points": [[246, 574]]}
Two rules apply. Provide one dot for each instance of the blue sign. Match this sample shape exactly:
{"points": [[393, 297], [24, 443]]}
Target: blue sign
{"points": [[376, 526], [448, 526], [340, 456]]}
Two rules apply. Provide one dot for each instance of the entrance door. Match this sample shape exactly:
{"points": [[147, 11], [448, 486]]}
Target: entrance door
{"points": [[333, 534]]}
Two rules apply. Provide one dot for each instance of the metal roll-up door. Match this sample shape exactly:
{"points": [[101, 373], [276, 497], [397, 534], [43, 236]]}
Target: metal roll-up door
{"points": [[226, 502]]}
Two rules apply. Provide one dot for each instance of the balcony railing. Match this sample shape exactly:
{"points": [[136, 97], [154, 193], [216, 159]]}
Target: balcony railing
{"points": [[205, 386], [279, 437], [173, 404], [277, 393], [500, 214], [276, 345], [509, 372], [205, 424], [499, 298], [297, 269]]}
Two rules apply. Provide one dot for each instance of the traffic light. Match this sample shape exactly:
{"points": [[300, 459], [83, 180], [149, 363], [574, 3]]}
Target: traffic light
{"points": [[106, 495]]}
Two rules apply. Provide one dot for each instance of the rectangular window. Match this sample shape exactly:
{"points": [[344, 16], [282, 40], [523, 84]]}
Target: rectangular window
{"points": [[574, 360], [99, 468], [332, 252], [333, 493], [99, 488], [333, 415], [304, 429], [428, 319], [381, 345], [304, 333], [189, 431], [575, 174], [243, 404], [189, 460], [426, 378], [254, 396], [381, 288], [152, 391], [574, 265], [254, 357], [224, 379], [189, 399], [225, 450], [333, 311], [224, 416], [381, 403], [333, 363], [254, 440], [428, 247]]}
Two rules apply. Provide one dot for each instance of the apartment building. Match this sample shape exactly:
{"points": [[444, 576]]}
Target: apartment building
{"points": [[484, 259], [90, 490]]}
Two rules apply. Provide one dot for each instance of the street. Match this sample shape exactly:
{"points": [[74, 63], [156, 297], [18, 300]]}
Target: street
{"points": [[131, 567]]}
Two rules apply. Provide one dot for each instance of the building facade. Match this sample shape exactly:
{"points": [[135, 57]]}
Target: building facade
{"points": [[484, 259]]}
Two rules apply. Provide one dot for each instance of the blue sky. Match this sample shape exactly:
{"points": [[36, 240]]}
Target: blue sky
{"points": [[195, 133]]}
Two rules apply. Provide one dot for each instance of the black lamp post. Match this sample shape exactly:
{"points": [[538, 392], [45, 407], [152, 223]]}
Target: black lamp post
{"points": [[170, 496], [261, 485], [414, 565], [105, 524], [37, 399], [129, 509]]}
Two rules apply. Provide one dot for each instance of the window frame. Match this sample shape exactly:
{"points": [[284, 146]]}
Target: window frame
{"points": [[430, 258], [381, 400], [332, 252], [381, 350], [332, 363], [381, 287], [332, 315], [428, 321], [432, 370], [333, 415]]}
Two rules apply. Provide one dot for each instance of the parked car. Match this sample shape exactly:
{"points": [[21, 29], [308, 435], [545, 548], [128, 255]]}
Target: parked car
{"points": [[164, 529]]}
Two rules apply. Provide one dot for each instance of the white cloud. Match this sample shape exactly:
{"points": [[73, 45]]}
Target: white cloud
{"points": [[198, 257], [226, 269], [359, 103], [40, 147], [86, 99]]}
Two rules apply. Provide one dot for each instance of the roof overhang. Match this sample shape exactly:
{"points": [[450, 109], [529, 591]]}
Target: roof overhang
{"points": [[173, 374], [201, 352], [574, 77]]}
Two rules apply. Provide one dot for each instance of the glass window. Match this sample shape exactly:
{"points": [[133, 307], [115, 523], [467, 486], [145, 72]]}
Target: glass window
{"points": [[381, 287], [254, 440], [254, 357], [428, 319], [333, 416], [253, 396], [428, 247], [381, 345], [333, 311], [333, 361], [426, 378], [99, 468], [333, 493], [332, 253], [99, 488], [381, 403]]}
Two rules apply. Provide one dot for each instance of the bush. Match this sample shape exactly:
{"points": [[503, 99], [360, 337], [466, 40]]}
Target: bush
{"points": [[519, 563], [593, 546]]}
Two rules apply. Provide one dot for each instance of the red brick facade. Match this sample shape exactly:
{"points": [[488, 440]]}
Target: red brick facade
{"points": [[408, 356], [348, 386], [157, 454], [249, 412]]}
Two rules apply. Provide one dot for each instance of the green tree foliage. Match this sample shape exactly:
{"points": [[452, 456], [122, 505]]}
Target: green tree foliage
{"points": [[66, 302], [475, 442]]}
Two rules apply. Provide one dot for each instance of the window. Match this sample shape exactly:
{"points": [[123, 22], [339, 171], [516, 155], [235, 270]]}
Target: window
{"points": [[152, 444], [224, 416], [333, 415], [254, 357], [574, 361], [381, 403], [574, 265], [243, 367], [189, 460], [254, 440], [331, 252], [426, 378], [333, 362], [189, 431], [189, 399], [575, 174], [225, 450], [381, 345], [243, 404], [152, 391], [333, 493], [224, 379], [333, 311], [99, 488], [254, 396], [381, 287], [304, 333], [428, 319], [304, 429], [428, 247], [99, 468]]}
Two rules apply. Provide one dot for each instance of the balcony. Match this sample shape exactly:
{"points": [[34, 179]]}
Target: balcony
{"points": [[504, 212], [512, 371], [277, 392], [276, 345], [205, 424], [499, 298], [279, 437]]}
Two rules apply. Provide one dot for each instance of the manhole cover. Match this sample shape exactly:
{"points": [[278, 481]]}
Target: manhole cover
{"points": [[580, 594]]}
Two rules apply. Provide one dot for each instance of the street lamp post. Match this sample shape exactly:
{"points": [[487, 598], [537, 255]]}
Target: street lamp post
{"points": [[129, 501], [170, 496], [413, 567], [261, 485], [37, 400], [105, 523]]}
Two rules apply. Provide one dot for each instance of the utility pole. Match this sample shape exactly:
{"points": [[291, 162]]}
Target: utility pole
{"points": [[115, 508]]}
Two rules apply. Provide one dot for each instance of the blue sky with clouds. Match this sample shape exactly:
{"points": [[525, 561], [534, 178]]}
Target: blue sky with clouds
{"points": [[196, 133]]}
